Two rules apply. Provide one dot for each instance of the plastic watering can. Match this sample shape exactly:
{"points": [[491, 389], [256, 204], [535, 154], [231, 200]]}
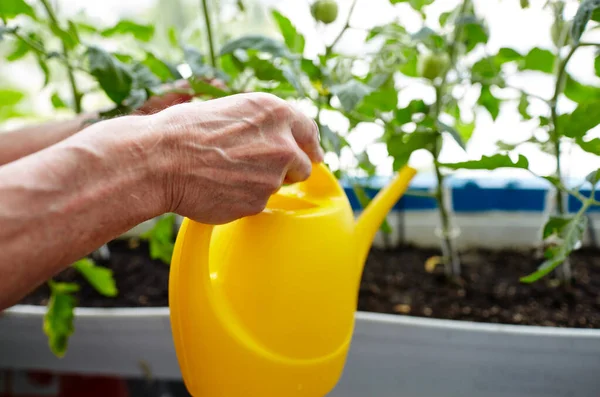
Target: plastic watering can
{"points": [[264, 306]]}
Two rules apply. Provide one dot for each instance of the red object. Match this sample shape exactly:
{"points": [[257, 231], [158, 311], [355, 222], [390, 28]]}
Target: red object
{"points": [[92, 386]]}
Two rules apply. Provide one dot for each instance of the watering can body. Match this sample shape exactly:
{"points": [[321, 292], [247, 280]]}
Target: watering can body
{"points": [[264, 306]]}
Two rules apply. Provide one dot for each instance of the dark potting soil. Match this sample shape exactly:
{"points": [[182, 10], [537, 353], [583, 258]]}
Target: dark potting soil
{"points": [[396, 282]]}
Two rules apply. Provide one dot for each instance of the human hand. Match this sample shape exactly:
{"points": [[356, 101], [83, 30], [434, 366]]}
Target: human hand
{"points": [[221, 160]]}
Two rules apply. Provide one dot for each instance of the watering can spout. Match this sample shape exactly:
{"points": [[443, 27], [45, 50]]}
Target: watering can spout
{"points": [[374, 214]]}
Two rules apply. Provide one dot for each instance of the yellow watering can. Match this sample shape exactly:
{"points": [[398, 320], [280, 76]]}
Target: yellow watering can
{"points": [[264, 306]]}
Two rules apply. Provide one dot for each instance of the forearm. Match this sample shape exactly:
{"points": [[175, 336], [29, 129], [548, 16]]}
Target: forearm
{"points": [[22, 142], [62, 203]]}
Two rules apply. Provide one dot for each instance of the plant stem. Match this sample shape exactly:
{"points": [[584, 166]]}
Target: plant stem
{"points": [[70, 71], [209, 33], [564, 271], [451, 260], [329, 48]]}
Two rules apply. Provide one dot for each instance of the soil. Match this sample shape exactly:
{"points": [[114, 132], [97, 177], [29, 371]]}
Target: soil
{"points": [[395, 281]]}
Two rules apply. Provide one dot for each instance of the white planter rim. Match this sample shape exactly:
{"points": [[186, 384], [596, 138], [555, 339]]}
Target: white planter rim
{"points": [[382, 318]]}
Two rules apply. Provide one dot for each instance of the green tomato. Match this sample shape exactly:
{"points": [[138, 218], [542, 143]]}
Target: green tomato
{"points": [[432, 65], [325, 11]]}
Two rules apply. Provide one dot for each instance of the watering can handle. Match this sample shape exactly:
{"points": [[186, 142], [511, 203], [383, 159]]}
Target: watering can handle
{"points": [[321, 182]]}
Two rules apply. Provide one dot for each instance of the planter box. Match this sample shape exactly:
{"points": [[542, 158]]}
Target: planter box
{"points": [[390, 355]]}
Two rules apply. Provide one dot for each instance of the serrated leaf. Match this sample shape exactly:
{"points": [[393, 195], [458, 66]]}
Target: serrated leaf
{"points": [[582, 17], [293, 40], [101, 278], [401, 147], [113, 76], [258, 43], [125, 27], [538, 59], [489, 102], [351, 93], [12, 8], [453, 133], [490, 163], [58, 320], [570, 234], [593, 177], [161, 238]]}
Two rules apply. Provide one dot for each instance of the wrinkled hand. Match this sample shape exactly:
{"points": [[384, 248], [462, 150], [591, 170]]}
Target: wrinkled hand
{"points": [[222, 159]]}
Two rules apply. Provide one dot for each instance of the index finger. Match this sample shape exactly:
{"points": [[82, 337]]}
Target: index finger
{"points": [[306, 134]]}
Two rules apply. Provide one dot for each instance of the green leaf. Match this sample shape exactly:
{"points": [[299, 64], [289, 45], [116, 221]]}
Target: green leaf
{"points": [[101, 278], [57, 101], [538, 59], [585, 117], [597, 65], [351, 93], [292, 77], [580, 93], [465, 130], [258, 43], [58, 320], [474, 34], [293, 40], [593, 177], [506, 55], [12, 8], [200, 86], [582, 17], [163, 70], [444, 16], [124, 27], [112, 75], [490, 163], [415, 4], [45, 69], [19, 51], [570, 233], [143, 78], [523, 106], [9, 97], [400, 147], [161, 239], [592, 146], [384, 99], [195, 61], [68, 37], [446, 128], [554, 226], [430, 38], [486, 69], [331, 141], [489, 101]]}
